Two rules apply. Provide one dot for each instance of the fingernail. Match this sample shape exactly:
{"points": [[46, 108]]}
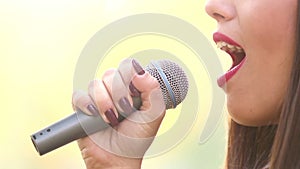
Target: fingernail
{"points": [[138, 68], [111, 117], [125, 105], [93, 109], [133, 90]]}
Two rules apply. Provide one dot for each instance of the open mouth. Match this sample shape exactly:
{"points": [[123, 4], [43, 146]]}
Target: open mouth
{"points": [[236, 52]]}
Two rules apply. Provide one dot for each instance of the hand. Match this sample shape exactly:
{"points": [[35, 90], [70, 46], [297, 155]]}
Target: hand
{"points": [[124, 144]]}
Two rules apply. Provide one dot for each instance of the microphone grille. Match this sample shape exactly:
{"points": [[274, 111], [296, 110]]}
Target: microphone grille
{"points": [[172, 79]]}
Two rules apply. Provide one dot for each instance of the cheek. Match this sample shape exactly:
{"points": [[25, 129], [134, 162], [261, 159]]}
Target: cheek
{"points": [[267, 25], [255, 97]]}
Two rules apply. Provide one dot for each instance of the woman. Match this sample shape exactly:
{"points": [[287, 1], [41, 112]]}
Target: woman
{"points": [[262, 88]]}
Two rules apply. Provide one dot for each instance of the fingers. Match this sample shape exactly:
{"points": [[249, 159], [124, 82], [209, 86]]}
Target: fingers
{"points": [[114, 93], [117, 87], [152, 109], [145, 84], [106, 97], [102, 99], [83, 102], [128, 68]]}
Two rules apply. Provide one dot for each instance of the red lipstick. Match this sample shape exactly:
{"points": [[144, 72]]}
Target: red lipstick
{"points": [[235, 51]]}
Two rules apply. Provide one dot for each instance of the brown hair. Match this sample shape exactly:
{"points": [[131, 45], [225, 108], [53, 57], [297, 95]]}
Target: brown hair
{"points": [[276, 145]]}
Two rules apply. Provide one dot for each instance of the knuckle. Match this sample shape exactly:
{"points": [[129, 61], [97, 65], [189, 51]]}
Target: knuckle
{"points": [[76, 95], [109, 72], [93, 84], [82, 101]]}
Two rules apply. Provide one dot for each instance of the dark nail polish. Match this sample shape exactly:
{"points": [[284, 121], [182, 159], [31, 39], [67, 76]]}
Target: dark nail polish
{"points": [[93, 110], [112, 118], [133, 90], [138, 68], [126, 106]]}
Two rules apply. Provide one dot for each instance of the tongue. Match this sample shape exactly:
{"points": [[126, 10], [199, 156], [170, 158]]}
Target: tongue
{"points": [[237, 58]]}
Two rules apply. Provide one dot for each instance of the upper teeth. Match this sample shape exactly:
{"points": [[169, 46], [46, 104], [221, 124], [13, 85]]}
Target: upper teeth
{"points": [[227, 47]]}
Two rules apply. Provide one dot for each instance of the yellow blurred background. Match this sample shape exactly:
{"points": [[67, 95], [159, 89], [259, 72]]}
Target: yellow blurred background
{"points": [[40, 42]]}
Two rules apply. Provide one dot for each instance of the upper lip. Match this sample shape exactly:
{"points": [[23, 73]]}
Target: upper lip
{"points": [[221, 37]]}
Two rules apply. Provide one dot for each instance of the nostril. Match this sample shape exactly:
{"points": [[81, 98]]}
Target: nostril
{"points": [[218, 16]]}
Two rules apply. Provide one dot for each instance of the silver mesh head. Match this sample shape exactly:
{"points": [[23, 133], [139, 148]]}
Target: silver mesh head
{"points": [[172, 79]]}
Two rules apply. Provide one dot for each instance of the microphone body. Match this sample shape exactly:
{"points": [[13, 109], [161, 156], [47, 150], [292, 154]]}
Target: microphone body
{"points": [[66, 131], [174, 86]]}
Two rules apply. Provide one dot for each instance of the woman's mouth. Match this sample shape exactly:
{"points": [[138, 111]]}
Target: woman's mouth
{"points": [[236, 52]]}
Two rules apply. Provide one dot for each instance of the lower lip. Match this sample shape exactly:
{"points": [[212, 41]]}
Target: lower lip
{"points": [[229, 74]]}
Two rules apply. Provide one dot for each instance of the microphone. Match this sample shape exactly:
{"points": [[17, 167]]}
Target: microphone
{"points": [[174, 87]]}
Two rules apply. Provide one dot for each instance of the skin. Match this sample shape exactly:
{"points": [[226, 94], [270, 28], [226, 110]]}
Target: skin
{"points": [[120, 147], [266, 31]]}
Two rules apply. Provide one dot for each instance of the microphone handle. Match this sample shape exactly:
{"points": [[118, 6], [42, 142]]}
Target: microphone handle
{"points": [[73, 127]]}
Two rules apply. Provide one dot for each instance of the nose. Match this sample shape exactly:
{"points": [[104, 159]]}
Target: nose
{"points": [[220, 10]]}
